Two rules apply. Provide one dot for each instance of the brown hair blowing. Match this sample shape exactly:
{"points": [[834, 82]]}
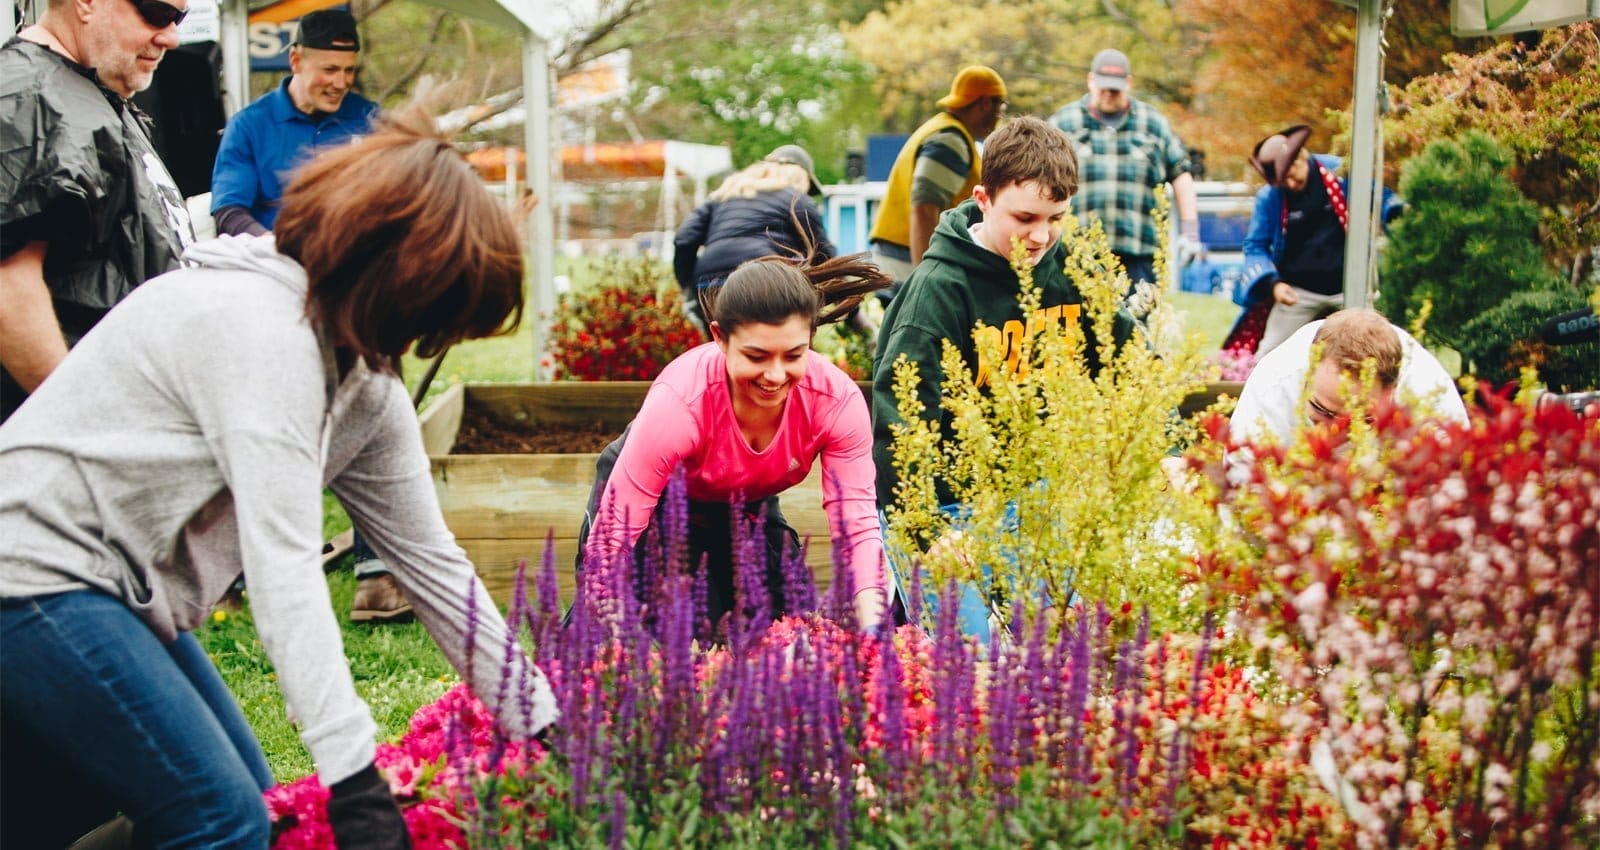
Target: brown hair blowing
{"points": [[402, 244], [771, 290], [1030, 148]]}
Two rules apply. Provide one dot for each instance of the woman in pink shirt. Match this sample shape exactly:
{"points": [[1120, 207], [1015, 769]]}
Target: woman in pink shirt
{"points": [[746, 416]]}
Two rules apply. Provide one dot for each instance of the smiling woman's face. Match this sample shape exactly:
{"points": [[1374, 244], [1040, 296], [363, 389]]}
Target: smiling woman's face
{"points": [[765, 361]]}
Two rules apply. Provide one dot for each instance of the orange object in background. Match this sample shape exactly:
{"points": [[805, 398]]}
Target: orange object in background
{"points": [[491, 163]]}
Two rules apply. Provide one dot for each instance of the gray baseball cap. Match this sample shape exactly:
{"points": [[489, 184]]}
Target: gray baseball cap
{"points": [[796, 155], [1110, 70]]}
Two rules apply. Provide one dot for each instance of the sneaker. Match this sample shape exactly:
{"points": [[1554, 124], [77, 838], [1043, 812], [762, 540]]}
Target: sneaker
{"points": [[379, 600]]}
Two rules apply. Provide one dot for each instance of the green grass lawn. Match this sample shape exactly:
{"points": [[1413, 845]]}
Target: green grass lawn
{"points": [[398, 668]]}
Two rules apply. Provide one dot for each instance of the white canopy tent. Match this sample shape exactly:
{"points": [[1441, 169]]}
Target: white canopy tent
{"points": [[524, 17], [520, 16]]}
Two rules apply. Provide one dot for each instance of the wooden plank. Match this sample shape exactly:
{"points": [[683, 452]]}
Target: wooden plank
{"points": [[513, 496], [497, 559], [442, 420], [1198, 401], [612, 403]]}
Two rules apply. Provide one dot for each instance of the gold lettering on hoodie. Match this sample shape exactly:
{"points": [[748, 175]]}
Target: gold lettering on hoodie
{"points": [[1007, 339]]}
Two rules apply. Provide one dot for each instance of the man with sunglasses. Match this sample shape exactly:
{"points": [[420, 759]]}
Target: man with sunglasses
{"points": [[314, 108], [1287, 391], [87, 209], [1294, 250]]}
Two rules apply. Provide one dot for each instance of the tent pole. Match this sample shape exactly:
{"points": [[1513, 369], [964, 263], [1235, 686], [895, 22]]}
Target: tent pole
{"points": [[540, 227], [235, 23], [1365, 132]]}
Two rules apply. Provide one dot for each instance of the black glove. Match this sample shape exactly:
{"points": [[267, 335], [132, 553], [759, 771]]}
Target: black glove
{"points": [[364, 816]]}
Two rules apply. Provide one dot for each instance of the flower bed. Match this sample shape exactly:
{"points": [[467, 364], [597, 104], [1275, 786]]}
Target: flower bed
{"points": [[1395, 661]]}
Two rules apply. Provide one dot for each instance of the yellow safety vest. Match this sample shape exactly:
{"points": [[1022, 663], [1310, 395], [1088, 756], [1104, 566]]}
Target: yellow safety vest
{"points": [[894, 214]]}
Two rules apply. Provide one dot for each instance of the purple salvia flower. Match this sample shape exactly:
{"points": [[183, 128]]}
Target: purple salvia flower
{"points": [[841, 765], [892, 687], [1038, 690], [1084, 653], [946, 680], [513, 678], [619, 819], [1131, 692], [839, 605], [472, 627], [547, 587], [914, 600], [799, 585], [1178, 752]]}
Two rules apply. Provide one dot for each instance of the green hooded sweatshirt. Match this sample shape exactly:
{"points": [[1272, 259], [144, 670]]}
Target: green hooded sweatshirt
{"points": [[958, 284]]}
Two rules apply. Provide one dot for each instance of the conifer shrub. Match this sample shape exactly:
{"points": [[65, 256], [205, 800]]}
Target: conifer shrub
{"points": [[1467, 241], [1506, 339]]}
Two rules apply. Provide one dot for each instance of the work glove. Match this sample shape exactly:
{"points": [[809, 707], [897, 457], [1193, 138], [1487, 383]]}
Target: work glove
{"points": [[1190, 248], [364, 815]]}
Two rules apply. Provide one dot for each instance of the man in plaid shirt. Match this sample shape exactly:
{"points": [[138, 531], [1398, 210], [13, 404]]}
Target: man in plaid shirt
{"points": [[1126, 149]]}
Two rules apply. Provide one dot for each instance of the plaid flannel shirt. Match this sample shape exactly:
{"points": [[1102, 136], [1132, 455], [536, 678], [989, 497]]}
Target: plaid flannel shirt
{"points": [[1119, 168]]}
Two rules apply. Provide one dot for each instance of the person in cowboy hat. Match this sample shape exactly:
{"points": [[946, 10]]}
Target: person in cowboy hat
{"points": [[936, 169], [1294, 250]]}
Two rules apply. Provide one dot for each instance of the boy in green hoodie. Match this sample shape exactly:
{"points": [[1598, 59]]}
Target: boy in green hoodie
{"points": [[1029, 177]]}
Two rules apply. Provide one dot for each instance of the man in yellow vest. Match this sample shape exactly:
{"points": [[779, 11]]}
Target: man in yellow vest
{"points": [[936, 169]]}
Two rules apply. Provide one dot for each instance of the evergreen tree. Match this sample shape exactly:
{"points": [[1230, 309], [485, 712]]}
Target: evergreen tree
{"points": [[1467, 241]]}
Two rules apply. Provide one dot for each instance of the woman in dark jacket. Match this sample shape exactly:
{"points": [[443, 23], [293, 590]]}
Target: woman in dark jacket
{"points": [[762, 210]]}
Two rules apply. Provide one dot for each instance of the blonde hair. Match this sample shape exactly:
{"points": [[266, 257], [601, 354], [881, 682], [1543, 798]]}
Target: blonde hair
{"points": [[763, 176], [1351, 338]]}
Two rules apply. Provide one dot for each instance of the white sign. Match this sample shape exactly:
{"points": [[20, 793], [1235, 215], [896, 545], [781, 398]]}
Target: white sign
{"points": [[1497, 17], [203, 23]]}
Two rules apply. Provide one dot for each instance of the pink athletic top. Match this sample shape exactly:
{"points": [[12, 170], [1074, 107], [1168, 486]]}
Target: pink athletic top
{"points": [[687, 418]]}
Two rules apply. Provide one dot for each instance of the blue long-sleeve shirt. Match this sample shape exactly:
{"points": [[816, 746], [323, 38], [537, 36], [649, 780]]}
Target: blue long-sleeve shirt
{"points": [[267, 139]]}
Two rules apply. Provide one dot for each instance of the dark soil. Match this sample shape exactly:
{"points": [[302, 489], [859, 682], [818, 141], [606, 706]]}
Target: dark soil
{"points": [[483, 433]]}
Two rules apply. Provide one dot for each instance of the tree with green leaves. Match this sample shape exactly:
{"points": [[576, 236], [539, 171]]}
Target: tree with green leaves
{"points": [[1541, 101], [1467, 241]]}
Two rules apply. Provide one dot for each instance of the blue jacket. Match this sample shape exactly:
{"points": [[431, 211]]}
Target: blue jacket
{"points": [[267, 139], [1264, 243]]}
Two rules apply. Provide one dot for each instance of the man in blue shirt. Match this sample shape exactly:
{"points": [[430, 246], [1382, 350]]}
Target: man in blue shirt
{"points": [[313, 108]]}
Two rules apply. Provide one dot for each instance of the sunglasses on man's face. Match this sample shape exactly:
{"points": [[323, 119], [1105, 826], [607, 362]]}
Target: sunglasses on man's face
{"points": [[158, 14]]}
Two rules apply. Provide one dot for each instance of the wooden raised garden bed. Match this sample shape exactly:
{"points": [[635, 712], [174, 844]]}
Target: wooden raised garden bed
{"points": [[502, 507]]}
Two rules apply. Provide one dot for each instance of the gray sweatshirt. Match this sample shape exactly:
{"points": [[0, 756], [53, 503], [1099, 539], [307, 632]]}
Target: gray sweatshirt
{"points": [[190, 434]]}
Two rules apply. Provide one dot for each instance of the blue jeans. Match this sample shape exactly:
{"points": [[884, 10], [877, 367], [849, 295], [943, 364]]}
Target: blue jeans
{"points": [[1141, 268], [100, 717], [972, 601]]}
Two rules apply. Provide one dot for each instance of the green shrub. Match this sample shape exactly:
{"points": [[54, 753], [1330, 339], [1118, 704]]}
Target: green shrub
{"points": [[1060, 470], [1467, 241], [1499, 344]]}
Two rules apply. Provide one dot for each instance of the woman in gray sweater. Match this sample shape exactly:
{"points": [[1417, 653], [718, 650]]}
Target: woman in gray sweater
{"points": [[189, 436]]}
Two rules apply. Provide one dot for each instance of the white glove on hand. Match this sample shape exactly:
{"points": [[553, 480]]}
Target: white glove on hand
{"points": [[1190, 248], [1143, 299]]}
